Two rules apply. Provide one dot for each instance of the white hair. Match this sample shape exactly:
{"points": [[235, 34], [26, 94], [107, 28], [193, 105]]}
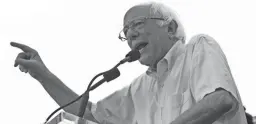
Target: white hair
{"points": [[162, 11]]}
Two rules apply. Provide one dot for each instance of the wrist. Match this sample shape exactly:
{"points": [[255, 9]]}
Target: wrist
{"points": [[45, 76]]}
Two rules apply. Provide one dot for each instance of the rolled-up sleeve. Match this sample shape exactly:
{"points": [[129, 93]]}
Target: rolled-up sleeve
{"points": [[117, 108], [209, 70]]}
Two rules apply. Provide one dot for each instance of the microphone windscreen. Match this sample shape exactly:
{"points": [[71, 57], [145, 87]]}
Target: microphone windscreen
{"points": [[134, 55]]}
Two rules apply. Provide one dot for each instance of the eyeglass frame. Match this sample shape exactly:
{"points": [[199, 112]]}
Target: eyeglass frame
{"points": [[130, 25]]}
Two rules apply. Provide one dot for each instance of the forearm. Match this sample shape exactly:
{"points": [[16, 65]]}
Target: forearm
{"points": [[208, 110], [62, 94]]}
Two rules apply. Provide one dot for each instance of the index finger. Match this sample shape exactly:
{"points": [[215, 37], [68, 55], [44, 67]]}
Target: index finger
{"points": [[23, 47]]}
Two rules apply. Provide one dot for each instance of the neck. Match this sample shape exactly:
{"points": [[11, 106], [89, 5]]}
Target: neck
{"points": [[154, 65]]}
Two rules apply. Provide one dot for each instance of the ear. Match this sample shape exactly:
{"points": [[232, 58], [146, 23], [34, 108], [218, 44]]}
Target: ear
{"points": [[172, 27]]}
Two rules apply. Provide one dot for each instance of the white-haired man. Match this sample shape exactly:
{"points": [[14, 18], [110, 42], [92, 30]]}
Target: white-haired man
{"points": [[185, 84]]}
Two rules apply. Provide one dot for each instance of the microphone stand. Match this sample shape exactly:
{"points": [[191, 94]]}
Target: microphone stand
{"points": [[108, 76]]}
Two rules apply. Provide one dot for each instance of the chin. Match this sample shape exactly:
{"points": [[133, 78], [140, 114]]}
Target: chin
{"points": [[144, 61]]}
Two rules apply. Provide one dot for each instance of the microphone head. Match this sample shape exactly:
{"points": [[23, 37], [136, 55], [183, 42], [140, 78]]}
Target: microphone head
{"points": [[133, 55]]}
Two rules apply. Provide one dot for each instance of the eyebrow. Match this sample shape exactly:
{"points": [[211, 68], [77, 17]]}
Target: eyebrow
{"points": [[134, 22], [136, 18]]}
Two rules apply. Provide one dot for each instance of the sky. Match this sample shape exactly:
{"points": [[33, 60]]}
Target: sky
{"points": [[77, 39]]}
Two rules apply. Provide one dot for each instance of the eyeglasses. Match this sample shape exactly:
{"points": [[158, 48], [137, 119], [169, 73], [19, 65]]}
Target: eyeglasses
{"points": [[133, 24]]}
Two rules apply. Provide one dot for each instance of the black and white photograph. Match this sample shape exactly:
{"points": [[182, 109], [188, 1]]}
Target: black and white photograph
{"points": [[127, 62]]}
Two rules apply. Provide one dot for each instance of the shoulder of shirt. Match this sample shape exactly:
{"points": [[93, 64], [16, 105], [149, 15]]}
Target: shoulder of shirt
{"points": [[201, 38], [200, 44]]}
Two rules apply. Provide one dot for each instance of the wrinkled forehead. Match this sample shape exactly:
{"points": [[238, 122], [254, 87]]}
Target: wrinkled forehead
{"points": [[136, 12]]}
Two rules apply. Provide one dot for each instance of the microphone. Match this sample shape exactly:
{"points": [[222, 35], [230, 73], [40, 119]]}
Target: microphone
{"points": [[131, 56]]}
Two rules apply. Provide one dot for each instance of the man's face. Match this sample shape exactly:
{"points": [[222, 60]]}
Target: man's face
{"points": [[146, 35]]}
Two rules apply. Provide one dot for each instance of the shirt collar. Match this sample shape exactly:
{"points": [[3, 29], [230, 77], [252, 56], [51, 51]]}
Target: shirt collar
{"points": [[167, 62]]}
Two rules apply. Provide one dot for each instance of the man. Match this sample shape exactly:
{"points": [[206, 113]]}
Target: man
{"points": [[185, 84]]}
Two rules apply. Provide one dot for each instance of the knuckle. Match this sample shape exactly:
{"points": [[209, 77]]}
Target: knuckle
{"points": [[34, 51], [21, 55]]}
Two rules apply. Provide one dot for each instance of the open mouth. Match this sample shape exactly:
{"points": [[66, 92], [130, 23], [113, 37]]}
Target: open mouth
{"points": [[141, 46]]}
